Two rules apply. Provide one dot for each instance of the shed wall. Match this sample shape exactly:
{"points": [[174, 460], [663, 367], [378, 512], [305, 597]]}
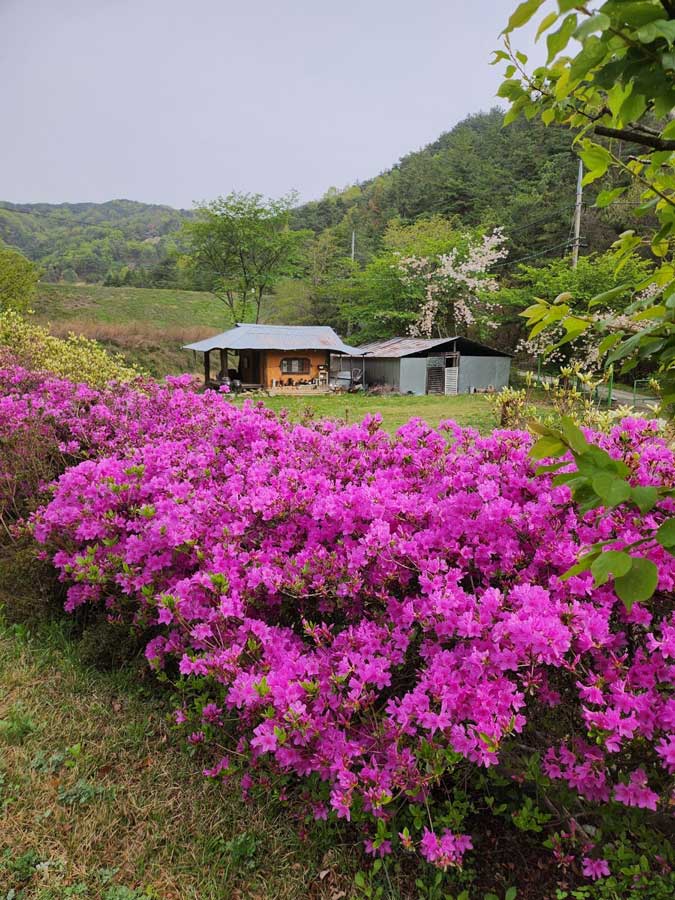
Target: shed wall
{"points": [[413, 376], [483, 371], [382, 371]]}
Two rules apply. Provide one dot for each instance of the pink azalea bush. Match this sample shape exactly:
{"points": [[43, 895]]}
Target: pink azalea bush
{"points": [[383, 618]]}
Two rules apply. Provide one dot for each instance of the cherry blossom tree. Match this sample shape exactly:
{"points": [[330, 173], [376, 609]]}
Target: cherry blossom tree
{"points": [[456, 286]]}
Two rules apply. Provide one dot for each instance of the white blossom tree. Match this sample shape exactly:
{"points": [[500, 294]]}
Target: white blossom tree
{"points": [[455, 287]]}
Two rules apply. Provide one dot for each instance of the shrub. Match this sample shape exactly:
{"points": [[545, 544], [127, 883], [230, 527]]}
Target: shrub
{"points": [[385, 619], [18, 280], [382, 619], [72, 357]]}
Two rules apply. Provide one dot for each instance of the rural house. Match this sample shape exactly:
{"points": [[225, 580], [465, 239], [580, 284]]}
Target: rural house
{"points": [[271, 356], [452, 365]]}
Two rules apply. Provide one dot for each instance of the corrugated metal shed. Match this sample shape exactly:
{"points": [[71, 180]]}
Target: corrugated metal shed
{"points": [[275, 337], [397, 348]]}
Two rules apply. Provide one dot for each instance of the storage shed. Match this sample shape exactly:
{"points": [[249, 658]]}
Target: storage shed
{"points": [[454, 365], [271, 356]]}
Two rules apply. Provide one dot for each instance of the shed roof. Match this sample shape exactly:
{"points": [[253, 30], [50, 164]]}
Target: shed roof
{"points": [[396, 348], [245, 336]]}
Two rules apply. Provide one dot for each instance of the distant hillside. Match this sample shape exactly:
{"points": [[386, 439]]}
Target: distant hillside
{"points": [[521, 177], [86, 241]]}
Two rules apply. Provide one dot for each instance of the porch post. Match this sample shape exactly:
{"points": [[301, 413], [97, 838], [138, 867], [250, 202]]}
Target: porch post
{"points": [[223, 362], [207, 367]]}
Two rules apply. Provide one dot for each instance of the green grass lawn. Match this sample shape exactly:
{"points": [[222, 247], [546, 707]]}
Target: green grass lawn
{"points": [[466, 409]]}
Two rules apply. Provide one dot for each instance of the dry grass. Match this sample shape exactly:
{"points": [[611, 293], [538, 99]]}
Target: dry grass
{"points": [[132, 335], [98, 799]]}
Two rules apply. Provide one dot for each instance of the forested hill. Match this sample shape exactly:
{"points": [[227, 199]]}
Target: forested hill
{"points": [[84, 241], [522, 177]]}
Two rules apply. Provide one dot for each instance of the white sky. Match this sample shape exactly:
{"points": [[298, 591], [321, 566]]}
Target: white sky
{"points": [[170, 101]]}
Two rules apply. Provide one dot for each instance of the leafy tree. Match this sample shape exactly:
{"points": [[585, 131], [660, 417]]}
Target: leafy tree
{"points": [[245, 245], [617, 89], [594, 274], [18, 280]]}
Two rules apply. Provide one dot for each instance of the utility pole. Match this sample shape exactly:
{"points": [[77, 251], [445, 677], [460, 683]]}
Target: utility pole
{"points": [[353, 243], [577, 218]]}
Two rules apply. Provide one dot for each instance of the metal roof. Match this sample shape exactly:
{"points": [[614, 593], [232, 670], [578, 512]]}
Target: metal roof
{"points": [[275, 337], [396, 348]]}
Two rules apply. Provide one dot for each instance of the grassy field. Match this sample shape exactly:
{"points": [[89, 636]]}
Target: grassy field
{"points": [[98, 800], [466, 409], [148, 325], [160, 308]]}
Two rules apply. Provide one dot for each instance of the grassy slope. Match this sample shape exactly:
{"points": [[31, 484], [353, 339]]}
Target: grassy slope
{"points": [[98, 800], [156, 307], [148, 325]]}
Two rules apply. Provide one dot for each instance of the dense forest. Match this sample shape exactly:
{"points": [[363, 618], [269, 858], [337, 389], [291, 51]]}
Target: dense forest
{"points": [[92, 241]]}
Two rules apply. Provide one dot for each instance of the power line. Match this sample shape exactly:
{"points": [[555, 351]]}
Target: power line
{"points": [[532, 222], [511, 262]]}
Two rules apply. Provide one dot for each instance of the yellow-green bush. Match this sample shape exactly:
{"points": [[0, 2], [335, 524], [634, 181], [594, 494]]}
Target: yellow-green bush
{"points": [[74, 357]]}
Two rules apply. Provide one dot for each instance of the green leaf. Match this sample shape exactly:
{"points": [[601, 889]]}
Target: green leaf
{"points": [[545, 24], [632, 107], [558, 40], [616, 96], [593, 52], [607, 343], [611, 562], [610, 295], [596, 159], [598, 22], [661, 28], [604, 198], [511, 89], [638, 584], [573, 435], [523, 14], [611, 489], [644, 497], [583, 565], [666, 533], [547, 446]]}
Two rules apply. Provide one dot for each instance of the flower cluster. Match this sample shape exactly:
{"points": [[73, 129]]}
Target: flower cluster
{"points": [[365, 612], [452, 282]]}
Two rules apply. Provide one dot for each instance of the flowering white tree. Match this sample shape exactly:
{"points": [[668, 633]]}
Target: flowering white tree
{"points": [[455, 286]]}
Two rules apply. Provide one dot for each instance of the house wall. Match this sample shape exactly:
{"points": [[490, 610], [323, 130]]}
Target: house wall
{"points": [[483, 371], [413, 375], [381, 371], [271, 365]]}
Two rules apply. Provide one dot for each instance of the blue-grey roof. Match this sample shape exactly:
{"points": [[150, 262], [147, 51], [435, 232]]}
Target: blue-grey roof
{"points": [[398, 347], [275, 337]]}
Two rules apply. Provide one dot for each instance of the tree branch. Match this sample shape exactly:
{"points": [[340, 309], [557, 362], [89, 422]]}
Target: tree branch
{"points": [[634, 137]]}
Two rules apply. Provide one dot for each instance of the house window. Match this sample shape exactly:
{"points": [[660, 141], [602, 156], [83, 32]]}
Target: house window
{"points": [[295, 365]]}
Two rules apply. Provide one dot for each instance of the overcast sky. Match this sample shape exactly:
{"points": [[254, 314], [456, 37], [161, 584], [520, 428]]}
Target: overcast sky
{"points": [[175, 101]]}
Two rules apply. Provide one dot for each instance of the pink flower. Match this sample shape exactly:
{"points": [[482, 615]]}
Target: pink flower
{"points": [[595, 868], [636, 792]]}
